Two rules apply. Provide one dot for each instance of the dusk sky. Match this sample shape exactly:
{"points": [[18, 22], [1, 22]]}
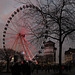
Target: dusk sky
{"points": [[6, 9]]}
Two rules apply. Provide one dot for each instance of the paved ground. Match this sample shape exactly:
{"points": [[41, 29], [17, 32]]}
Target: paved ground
{"points": [[45, 73]]}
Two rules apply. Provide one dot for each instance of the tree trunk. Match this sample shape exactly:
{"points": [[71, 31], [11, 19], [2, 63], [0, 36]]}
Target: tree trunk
{"points": [[60, 48], [60, 58]]}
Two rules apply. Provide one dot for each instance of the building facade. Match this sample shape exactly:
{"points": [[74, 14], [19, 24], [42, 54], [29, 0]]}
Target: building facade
{"points": [[50, 52], [70, 56]]}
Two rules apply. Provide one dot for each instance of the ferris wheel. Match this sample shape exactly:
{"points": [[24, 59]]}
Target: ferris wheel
{"points": [[23, 29]]}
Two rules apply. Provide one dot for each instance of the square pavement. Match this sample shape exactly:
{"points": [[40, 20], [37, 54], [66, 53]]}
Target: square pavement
{"points": [[45, 73]]}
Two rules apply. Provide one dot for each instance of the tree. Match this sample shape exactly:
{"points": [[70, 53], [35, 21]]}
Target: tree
{"points": [[59, 17], [7, 54], [59, 21]]}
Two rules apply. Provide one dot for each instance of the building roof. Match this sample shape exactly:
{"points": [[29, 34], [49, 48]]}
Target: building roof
{"points": [[71, 50], [49, 43]]}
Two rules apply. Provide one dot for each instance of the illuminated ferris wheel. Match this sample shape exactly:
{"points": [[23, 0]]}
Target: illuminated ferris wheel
{"points": [[23, 29]]}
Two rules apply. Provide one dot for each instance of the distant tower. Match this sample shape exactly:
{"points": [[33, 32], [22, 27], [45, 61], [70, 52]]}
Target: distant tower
{"points": [[50, 52]]}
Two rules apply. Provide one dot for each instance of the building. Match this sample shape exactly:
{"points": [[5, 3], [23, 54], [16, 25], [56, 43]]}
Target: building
{"points": [[50, 52], [49, 56], [70, 56]]}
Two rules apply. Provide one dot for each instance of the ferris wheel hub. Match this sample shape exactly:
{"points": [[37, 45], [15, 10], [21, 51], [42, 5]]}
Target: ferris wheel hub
{"points": [[21, 35]]}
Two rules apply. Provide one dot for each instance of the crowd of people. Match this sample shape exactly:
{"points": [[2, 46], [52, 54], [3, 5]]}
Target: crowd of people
{"points": [[27, 68], [22, 68]]}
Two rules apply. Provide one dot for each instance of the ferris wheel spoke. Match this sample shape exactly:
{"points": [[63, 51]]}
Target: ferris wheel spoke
{"points": [[13, 44], [29, 24], [25, 30], [32, 16], [35, 20], [30, 28], [27, 49], [37, 26], [10, 38], [24, 49], [30, 49], [20, 48], [8, 43], [31, 40], [20, 15], [31, 45], [11, 34], [14, 25], [30, 52], [12, 29], [36, 42], [16, 43], [20, 20], [27, 27]]}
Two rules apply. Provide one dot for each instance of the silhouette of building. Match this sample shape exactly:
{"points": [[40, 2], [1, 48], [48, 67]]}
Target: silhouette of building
{"points": [[70, 55]]}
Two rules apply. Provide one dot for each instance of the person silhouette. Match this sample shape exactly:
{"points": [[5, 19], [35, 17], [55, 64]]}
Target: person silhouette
{"points": [[29, 68], [24, 67], [16, 69]]}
